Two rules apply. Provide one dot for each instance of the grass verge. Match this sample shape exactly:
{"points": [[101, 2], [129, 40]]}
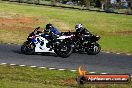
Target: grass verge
{"points": [[26, 77]]}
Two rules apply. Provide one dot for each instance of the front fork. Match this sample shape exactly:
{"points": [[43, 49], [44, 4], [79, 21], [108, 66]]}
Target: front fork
{"points": [[31, 45]]}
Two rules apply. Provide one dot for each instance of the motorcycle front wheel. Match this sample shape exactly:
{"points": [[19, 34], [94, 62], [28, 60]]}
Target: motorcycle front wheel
{"points": [[27, 48], [94, 49]]}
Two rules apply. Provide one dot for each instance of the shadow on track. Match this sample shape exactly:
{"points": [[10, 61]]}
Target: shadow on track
{"points": [[17, 51], [42, 54]]}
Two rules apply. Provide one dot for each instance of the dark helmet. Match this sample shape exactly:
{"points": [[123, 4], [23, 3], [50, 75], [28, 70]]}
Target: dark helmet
{"points": [[49, 26]]}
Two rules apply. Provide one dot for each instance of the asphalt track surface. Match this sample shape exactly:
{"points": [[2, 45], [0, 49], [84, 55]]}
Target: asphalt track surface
{"points": [[101, 63]]}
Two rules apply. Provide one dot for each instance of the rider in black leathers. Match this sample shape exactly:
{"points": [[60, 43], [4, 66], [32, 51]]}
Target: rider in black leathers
{"points": [[81, 31], [81, 35]]}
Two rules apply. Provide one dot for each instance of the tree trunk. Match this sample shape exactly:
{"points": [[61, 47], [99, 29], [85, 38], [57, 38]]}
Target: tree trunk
{"points": [[38, 2], [129, 10], [103, 4], [87, 3], [53, 2], [19, 1]]}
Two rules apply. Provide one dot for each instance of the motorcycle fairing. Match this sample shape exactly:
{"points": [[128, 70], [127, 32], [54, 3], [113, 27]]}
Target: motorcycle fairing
{"points": [[42, 48]]}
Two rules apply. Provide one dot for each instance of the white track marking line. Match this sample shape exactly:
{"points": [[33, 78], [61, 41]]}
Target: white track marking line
{"points": [[3, 63], [61, 69], [33, 66], [118, 53], [42, 67], [9, 43], [107, 52], [92, 72], [12, 64], [103, 73], [128, 54], [73, 70], [22, 65], [52, 68]]}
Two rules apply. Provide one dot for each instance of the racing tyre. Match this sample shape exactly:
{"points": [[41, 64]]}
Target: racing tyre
{"points": [[64, 50], [23, 47], [95, 49], [27, 48]]}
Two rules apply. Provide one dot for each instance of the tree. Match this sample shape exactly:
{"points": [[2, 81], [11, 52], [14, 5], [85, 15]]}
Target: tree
{"points": [[87, 3], [130, 5], [129, 10], [103, 3], [36, 1], [19, 1], [53, 2]]}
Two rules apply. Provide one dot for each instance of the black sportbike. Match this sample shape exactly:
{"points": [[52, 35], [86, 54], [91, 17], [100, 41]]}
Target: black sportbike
{"points": [[84, 43]]}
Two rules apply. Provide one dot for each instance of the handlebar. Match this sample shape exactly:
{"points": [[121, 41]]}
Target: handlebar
{"points": [[36, 29]]}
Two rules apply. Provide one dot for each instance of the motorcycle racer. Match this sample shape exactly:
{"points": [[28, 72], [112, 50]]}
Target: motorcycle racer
{"points": [[80, 34], [51, 28], [85, 41], [81, 30], [50, 32]]}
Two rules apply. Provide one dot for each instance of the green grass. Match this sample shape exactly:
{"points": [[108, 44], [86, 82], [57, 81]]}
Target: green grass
{"points": [[21, 77], [26, 77], [117, 43], [115, 30]]}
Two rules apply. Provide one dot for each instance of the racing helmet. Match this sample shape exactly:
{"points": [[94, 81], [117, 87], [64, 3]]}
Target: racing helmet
{"points": [[78, 26], [49, 26]]}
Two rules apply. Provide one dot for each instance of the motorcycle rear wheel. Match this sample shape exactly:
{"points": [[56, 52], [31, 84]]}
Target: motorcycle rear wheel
{"points": [[64, 50]]}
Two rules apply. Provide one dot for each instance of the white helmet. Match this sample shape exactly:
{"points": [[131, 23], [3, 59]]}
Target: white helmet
{"points": [[78, 26]]}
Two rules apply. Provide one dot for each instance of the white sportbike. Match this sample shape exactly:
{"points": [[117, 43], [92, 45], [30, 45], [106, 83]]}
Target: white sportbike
{"points": [[36, 43]]}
